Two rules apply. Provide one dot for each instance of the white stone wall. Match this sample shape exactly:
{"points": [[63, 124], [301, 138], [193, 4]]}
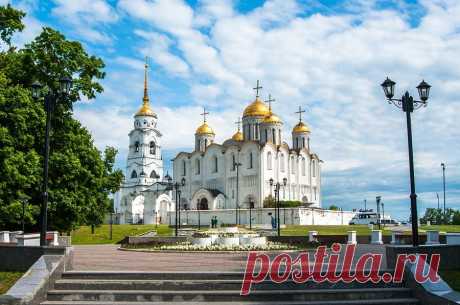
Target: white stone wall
{"points": [[288, 216]]}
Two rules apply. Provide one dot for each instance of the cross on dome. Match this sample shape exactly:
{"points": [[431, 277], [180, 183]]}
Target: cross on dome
{"points": [[238, 123], [300, 113], [270, 101], [257, 88], [204, 114]]}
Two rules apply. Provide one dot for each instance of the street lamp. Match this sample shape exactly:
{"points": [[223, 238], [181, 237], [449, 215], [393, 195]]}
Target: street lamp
{"points": [[443, 165], [175, 186], [408, 105], [277, 201], [51, 98]]}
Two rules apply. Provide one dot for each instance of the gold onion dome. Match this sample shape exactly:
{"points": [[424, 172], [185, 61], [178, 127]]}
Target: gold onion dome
{"points": [[204, 130], [238, 136], [271, 119], [256, 108], [146, 110], [300, 127]]}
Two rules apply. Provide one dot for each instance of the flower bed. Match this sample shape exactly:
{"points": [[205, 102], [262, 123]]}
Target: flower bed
{"points": [[187, 246]]}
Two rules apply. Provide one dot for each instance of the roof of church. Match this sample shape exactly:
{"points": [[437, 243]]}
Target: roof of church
{"points": [[204, 129], [300, 127]]}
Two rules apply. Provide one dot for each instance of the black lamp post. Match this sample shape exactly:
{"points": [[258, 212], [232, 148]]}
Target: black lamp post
{"points": [[443, 165], [237, 164], [51, 97], [277, 201], [408, 105], [175, 186]]}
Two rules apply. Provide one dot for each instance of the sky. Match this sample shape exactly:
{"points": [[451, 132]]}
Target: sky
{"points": [[329, 57]]}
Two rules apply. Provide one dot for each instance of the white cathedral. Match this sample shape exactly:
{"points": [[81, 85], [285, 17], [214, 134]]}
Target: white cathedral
{"points": [[225, 180]]}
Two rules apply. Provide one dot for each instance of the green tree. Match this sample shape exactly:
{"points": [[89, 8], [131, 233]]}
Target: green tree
{"points": [[10, 22], [333, 207], [80, 176]]}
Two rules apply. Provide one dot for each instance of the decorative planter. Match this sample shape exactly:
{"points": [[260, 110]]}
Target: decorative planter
{"points": [[228, 241], [230, 230], [351, 238], [432, 237], [253, 241], [453, 238], [376, 237], [201, 241]]}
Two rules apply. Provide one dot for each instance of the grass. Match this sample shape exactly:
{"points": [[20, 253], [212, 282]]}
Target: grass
{"points": [[83, 236], [298, 230], [442, 228], [7, 279], [452, 277]]}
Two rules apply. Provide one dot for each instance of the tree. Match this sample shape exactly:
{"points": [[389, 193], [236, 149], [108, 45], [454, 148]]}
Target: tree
{"points": [[10, 22], [80, 177], [333, 207]]}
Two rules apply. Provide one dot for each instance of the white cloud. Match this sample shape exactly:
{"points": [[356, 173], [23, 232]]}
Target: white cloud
{"points": [[85, 16]]}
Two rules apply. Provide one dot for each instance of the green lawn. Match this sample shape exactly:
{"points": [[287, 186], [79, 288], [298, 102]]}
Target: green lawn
{"points": [[442, 228], [298, 230], [7, 279], [101, 235], [452, 277]]}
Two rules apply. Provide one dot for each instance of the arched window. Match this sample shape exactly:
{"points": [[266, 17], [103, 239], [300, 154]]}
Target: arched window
{"points": [[282, 163], [136, 146], [152, 148], [205, 143], [303, 142], [250, 161], [293, 165], [216, 164], [134, 174], [197, 166], [153, 175], [266, 135], [269, 160], [303, 164], [274, 136], [233, 162], [184, 168], [297, 142]]}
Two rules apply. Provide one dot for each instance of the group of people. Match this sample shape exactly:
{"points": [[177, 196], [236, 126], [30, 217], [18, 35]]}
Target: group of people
{"points": [[214, 222]]}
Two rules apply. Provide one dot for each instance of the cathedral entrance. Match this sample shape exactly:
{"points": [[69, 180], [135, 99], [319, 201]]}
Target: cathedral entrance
{"points": [[203, 205]]}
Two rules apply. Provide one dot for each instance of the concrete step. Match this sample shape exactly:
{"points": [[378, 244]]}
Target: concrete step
{"points": [[228, 295], [404, 301], [170, 275], [187, 285]]}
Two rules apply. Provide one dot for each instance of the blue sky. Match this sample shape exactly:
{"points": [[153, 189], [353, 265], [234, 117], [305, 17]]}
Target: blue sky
{"points": [[327, 56]]}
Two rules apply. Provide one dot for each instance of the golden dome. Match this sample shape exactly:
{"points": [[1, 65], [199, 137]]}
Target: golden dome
{"points": [[300, 127], [238, 136], [204, 129], [271, 119], [145, 110], [256, 108]]}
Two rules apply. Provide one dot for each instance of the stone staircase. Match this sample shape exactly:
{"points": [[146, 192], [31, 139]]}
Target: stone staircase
{"points": [[194, 288]]}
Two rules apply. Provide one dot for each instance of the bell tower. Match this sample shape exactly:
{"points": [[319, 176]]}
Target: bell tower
{"points": [[145, 164]]}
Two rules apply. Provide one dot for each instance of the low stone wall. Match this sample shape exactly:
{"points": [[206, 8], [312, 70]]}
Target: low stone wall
{"points": [[450, 254], [14, 258], [153, 240]]}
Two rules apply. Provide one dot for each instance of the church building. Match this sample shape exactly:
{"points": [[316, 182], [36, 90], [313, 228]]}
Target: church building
{"points": [[237, 173], [234, 180]]}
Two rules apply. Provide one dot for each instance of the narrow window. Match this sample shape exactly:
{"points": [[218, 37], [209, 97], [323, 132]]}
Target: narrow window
{"points": [[197, 164], [152, 148], [274, 136], [269, 160], [282, 162], [314, 168], [303, 165], [266, 135], [136, 146], [250, 160], [293, 165], [233, 162], [134, 174], [184, 168], [216, 164]]}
